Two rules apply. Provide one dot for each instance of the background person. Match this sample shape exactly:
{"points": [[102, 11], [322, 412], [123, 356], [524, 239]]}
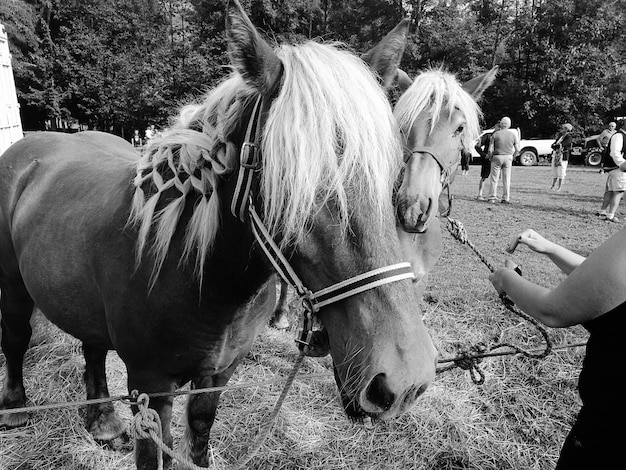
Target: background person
{"points": [[505, 144], [150, 132], [594, 295], [482, 147], [466, 158], [136, 140], [560, 156], [612, 161], [605, 135]]}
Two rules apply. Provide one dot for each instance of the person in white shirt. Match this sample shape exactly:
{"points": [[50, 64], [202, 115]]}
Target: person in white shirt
{"points": [[616, 177]]}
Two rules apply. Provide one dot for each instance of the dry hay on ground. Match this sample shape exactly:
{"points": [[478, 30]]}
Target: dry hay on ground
{"points": [[517, 419]]}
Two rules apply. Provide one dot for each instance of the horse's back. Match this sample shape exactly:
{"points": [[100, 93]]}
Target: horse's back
{"points": [[53, 172], [88, 144], [64, 202]]}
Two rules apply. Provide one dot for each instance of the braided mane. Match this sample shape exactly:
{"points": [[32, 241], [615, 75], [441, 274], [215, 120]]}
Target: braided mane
{"points": [[329, 135]]}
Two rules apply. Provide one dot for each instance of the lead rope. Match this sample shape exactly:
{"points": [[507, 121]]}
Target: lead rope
{"points": [[469, 359], [268, 424]]}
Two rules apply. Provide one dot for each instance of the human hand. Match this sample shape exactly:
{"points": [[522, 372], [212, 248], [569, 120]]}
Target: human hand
{"points": [[532, 239], [498, 276]]}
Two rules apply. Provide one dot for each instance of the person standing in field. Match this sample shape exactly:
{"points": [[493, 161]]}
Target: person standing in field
{"points": [[150, 132], [612, 160], [504, 147], [593, 295], [466, 158], [136, 139], [482, 147], [604, 137], [562, 148]]}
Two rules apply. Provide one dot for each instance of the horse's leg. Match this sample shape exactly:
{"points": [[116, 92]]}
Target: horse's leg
{"points": [[17, 308], [280, 319], [146, 450], [201, 411], [102, 422]]}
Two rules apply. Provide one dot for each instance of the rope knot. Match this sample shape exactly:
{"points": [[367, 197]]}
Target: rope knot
{"points": [[457, 230], [146, 423], [467, 360]]}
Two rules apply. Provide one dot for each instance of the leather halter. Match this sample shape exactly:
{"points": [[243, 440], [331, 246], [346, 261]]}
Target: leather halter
{"points": [[446, 172], [242, 207]]}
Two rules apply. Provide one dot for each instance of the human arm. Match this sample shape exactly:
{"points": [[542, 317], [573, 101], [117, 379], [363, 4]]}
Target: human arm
{"points": [[594, 287], [480, 147], [565, 259], [600, 140]]}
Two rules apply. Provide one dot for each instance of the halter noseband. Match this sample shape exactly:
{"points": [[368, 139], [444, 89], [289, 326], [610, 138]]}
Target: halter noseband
{"points": [[446, 172], [242, 206]]}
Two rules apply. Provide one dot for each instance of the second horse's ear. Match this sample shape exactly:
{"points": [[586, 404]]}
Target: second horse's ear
{"points": [[404, 81], [384, 58], [251, 56], [477, 85]]}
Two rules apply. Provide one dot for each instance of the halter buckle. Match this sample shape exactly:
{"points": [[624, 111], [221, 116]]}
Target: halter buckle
{"points": [[250, 157], [305, 334]]}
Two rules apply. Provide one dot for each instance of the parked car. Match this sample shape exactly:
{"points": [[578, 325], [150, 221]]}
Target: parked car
{"points": [[531, 150]]}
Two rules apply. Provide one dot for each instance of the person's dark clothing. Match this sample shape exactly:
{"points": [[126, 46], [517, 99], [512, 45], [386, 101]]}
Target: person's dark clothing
{"points": [[565, 145], [600, 430], [485, 169], [466, 157], [607, 162], [482, 147]]}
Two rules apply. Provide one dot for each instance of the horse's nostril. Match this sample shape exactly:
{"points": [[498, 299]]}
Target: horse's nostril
{"points": [[379, 394]]}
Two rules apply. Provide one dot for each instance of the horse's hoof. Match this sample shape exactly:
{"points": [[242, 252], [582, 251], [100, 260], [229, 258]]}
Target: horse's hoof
{"points": [[280, 323], [15, 420], [107, 427], [123, 443]]}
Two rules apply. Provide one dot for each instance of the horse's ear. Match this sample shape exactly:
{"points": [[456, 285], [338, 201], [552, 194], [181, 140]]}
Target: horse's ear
{"points": [[404, 81], [253, 58], [385, 56], [477, 85]]}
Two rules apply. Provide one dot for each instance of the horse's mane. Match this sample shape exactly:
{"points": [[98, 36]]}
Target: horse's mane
{"points": [[329, 135], [432, 91]]}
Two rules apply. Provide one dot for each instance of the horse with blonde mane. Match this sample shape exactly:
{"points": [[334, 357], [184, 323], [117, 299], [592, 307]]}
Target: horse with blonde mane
{"points": [[437, 116], [161, 259]]}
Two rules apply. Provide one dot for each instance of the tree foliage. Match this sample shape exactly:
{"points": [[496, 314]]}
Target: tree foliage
{"points": [[123, 64]]}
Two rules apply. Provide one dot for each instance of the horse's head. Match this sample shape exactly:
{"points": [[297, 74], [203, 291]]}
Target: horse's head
{"points": [[438, 117], [330, 156]]}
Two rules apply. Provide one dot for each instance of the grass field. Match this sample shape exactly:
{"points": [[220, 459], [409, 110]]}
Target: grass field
{"points": [[516, 420]]}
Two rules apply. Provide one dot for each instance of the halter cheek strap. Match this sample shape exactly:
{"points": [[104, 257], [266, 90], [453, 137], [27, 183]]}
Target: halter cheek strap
{"points": [[250, 162], [446, 172]]}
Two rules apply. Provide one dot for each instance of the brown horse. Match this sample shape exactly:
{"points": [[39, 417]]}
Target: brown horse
{"points": [[160, 270]]}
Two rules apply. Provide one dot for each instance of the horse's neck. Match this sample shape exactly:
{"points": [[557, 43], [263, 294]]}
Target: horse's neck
{"points": [[234, 265]]}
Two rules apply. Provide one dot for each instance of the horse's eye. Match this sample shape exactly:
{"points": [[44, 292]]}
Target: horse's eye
{"points": [[459, 130]]}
